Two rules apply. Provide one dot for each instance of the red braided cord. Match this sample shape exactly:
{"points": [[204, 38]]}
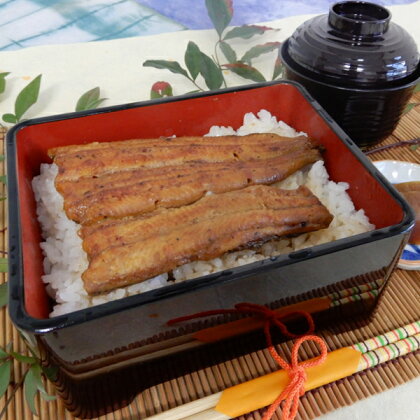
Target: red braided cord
{"points": [[296, 387], [201, 315], [253, 309]]}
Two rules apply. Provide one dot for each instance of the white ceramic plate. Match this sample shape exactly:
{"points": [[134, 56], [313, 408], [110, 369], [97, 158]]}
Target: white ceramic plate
{"points": [[397, 172]]}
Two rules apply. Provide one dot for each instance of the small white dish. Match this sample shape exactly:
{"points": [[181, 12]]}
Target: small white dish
{"points": [[397, 172]]}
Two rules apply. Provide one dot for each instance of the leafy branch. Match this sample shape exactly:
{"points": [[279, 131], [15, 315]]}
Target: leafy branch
{"points": [[3, 81], [211, 69], [3, 287], [32, 379], [28, 96], [412, 105], [25, 99], [90, 99]]}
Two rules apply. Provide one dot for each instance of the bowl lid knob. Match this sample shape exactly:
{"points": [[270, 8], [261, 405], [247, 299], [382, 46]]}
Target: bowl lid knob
{"points": [[359, 18]]}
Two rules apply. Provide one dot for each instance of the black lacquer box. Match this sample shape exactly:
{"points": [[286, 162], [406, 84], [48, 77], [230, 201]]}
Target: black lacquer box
{"points": [[106, 354]]}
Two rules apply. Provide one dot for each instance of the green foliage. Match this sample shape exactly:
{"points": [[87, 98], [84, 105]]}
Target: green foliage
{"points": [[5, 374], [211, 69], [3, 179], [228, 51], [246, 31], [33, 381], [257, 50], [50, 372], [33, 384], [22, 358], [10, 118], [211, 72], [192, 59], [25, 99], [3, 296], [3, 265], [220, 13], [90, 100], [30, 389], [278, 69], [3, 81], [172, 66], [197, 63], [410, 106], [246, 71]]}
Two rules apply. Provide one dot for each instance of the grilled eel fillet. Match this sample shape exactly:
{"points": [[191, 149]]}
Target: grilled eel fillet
{"points": [[135, 250], [128, 178]]}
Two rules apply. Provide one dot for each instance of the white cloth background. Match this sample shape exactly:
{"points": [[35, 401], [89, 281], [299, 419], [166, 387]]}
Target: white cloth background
{"points": [[116, 66]]}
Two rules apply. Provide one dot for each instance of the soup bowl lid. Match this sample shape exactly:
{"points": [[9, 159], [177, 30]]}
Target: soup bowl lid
{"points": [[355, 44]]}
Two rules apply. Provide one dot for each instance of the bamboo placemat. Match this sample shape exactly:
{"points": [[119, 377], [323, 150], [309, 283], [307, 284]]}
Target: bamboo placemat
{"points": [[399, 306]]}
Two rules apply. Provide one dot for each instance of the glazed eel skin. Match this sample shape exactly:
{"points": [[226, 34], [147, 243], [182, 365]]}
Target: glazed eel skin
{"points": [[131, 251], [128, 178]]}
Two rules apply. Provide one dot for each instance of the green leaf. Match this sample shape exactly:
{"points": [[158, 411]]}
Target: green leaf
{"points": [[193, 59], [3, 294], [1, 158], [246, 31], [417, 88], [228, 51], [3, 179], [40, 384], [414, 147], [30, 387], [211, 72], [200, 63], [278, 68], [32, 384], [47, 397], [220, 13], [409, 107], [50, 372], [95, 104], [3, 198], [257, 50], [9, 118], [3, 354], [22, 358], [5, 372], [245, 71], [27, 97], [3, 81], [172, 66], [3, 265], [90, 99]]}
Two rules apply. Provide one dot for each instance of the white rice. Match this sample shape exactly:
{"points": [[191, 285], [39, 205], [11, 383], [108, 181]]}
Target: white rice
{"points": [[65, 259]]}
